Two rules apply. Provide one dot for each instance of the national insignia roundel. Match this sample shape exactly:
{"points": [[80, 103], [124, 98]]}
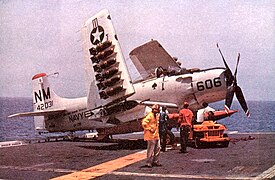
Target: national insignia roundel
{"points": [[97, 35]]}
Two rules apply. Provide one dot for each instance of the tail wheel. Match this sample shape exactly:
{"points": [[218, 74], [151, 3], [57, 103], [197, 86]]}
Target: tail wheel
{"points": [[170, 138]]}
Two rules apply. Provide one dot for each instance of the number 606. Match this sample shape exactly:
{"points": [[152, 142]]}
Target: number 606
{"points": [[209, 83]]}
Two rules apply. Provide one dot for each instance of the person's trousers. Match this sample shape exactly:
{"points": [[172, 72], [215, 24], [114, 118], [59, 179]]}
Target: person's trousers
{"points": [[163, 136], [153, 151], [184, 133]]}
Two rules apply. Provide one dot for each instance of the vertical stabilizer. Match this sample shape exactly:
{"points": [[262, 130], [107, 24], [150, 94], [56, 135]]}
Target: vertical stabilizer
{"points": [[44, 98], [106, 72]]}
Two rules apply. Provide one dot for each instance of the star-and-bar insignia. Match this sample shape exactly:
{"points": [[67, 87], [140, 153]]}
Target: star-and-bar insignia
{"points": [[97, 34]]}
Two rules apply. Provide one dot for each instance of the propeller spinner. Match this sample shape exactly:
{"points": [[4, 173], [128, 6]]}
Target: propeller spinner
{"points": [[233, 88]]}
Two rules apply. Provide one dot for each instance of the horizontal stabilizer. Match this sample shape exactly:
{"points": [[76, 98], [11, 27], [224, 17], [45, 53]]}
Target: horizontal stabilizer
{"points": [[39, 113]]}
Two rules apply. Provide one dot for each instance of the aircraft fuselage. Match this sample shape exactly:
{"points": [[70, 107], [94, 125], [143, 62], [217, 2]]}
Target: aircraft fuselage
{"points": [[197, 87]]}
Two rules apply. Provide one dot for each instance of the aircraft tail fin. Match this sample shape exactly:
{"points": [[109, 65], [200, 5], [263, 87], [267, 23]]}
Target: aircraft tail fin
{"points": [[44, 98], [45, 101], [107, 75]]}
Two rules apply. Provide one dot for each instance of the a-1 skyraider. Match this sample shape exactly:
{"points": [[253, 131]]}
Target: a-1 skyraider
{"points": [[114, 102]]}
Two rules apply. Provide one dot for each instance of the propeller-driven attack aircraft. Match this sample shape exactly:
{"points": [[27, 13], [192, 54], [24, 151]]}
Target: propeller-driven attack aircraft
{"points": [[115, 104]]}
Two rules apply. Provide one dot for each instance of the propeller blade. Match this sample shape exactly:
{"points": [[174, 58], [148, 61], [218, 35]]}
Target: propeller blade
{"points": [[229, 77], [226, 66], [231, 82], [236, 69], [228, 73], [229, 97], [241, 99]]}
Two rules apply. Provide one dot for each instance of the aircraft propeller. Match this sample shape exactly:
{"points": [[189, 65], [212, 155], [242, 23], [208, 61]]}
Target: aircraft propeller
{"points": [[233, 88]]}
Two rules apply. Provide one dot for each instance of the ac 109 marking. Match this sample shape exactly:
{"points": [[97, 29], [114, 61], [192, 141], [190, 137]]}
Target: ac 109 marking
{"points": [[209, 84]]}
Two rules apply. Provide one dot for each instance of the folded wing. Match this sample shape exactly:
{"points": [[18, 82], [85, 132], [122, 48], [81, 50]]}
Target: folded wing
{"points": [[150, 56], [107, 75]]}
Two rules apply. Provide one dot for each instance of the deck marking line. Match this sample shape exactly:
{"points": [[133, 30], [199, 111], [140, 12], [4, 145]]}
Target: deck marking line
{"points": [[39, 169], [180, 176], [268, 174], [203, 160], [104, 168]]}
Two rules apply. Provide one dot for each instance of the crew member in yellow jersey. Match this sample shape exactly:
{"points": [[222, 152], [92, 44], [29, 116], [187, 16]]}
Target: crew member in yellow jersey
{"points": [[151, 135]]}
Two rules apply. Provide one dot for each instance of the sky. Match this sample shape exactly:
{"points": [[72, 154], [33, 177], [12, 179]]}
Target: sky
{"points": [[44, 36]]}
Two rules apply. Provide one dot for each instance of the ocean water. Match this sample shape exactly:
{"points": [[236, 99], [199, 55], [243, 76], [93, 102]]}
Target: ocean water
{"points": [[262, 118], [18, 128]]}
